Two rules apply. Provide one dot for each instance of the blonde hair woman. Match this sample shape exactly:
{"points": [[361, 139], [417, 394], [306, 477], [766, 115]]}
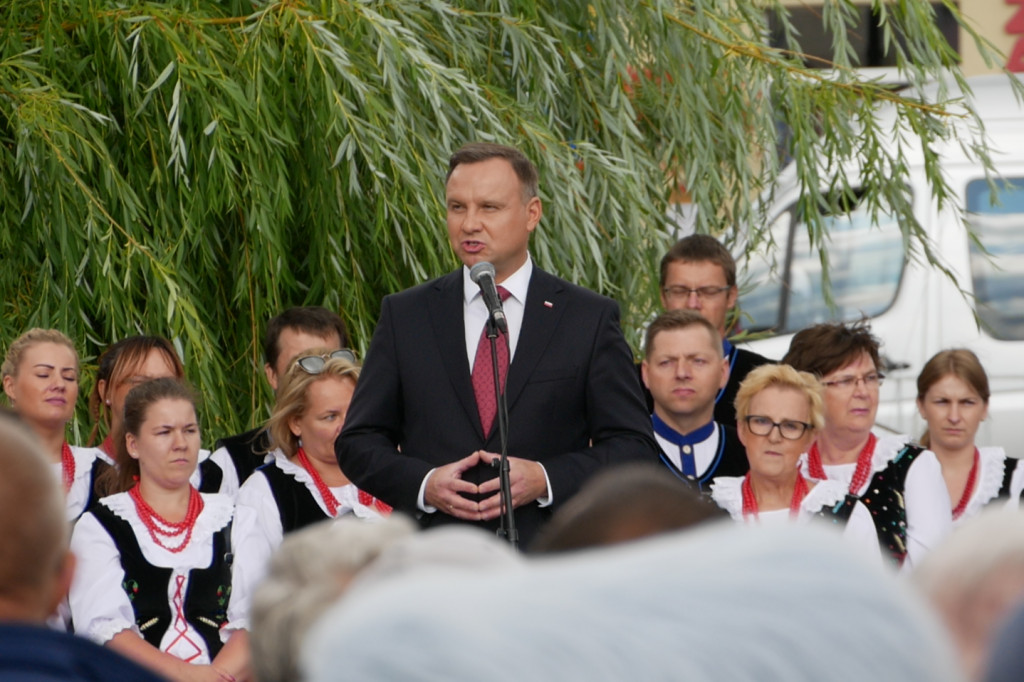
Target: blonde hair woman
{"points": [[40, 377], [303, 483]]}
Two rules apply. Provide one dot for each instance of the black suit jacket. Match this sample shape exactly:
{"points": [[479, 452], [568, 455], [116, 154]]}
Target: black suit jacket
{"points": [[574, 401], [740, 364]]}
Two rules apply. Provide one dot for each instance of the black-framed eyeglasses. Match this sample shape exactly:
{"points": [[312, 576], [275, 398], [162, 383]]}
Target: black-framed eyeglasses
{"points": [[871, 380], [790, 429], [314, 364], [680, 293]]}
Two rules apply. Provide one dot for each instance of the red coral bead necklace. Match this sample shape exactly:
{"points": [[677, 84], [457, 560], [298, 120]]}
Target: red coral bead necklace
{"points": [[972, 478], [67, 466], [860, 473], [160, 528], [750, 501], [330, 501]]}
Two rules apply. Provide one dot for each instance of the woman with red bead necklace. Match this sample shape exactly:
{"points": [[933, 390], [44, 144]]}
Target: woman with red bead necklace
{"points": [[778, 412], [900, 483], [154, 561], [303, 484], [952, 396], [126, 364], [40, 376]]}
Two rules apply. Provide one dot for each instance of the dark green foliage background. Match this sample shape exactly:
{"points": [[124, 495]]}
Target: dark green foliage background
{"points": [[189, 168]]}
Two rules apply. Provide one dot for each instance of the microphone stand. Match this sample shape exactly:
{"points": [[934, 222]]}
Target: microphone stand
{"points": [[507, 528]]}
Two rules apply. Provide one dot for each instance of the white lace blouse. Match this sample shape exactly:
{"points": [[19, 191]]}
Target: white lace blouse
{"points": [[859, 530], [929, 514]]}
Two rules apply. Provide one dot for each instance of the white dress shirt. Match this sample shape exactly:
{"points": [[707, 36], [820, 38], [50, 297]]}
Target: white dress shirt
{"points": [[474, 317]]}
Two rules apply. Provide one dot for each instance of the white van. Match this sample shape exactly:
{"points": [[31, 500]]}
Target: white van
{"points": [[915, 309]]}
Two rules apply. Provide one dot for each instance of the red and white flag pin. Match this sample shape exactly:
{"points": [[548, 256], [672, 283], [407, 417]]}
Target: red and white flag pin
{"points": [[549, 304]]}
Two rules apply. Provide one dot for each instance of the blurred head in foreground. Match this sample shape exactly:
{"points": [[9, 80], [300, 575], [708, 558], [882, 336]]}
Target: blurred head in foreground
{"points": [[307, 573], [35, 563], [802, 604], [975, 579], [625, 503]]}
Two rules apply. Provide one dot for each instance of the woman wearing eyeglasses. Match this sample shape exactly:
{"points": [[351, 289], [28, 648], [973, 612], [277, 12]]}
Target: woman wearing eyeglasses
{"points": [[303, 484], [952, 396], [124, 365], [779, 411], [900, 483]]}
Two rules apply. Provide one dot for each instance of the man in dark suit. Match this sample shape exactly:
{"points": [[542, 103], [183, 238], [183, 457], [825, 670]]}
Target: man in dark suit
{"points": [[413, 435]]}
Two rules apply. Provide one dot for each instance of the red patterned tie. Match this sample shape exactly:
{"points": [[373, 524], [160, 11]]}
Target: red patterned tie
{"points": [[483, 372]]}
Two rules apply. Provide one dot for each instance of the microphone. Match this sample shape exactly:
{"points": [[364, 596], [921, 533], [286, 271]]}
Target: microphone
{"points": [[483, 274]]}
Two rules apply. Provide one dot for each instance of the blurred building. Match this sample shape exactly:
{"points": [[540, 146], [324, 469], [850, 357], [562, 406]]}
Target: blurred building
{"points": [[999, 21]]}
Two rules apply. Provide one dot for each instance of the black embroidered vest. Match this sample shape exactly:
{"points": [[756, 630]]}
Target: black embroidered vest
{"points": [[295, 503], [210, 476], [884, 499], [98, 467], [1009, 467], [207, 595]]}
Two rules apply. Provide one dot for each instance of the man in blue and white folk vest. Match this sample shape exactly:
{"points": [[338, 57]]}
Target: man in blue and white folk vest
{"points": [[685, 368]]}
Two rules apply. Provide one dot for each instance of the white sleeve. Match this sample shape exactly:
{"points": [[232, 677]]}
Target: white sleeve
{"points": [[99, 606], [929, 514], [860, 533], [256, 533]]}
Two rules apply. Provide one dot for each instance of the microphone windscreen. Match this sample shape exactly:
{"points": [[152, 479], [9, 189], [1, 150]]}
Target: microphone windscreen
{"points": [[481, 269]]}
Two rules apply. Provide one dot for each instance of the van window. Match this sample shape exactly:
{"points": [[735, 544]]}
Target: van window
{"points": [[865, 265], [998, 276]]}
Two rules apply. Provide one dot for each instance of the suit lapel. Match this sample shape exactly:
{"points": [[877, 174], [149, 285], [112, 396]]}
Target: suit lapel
{"points": [[545, 304], [448, 323]]}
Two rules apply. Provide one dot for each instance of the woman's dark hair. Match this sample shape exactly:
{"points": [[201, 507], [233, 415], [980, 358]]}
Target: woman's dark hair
{"points": [[136, 405], [823, 348], [116, 364]]}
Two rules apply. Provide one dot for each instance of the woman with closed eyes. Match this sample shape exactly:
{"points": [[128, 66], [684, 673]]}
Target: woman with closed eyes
{"points": [[302, 484], [40, 377]]}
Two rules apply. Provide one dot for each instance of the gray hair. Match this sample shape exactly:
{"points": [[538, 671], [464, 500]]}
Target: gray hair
{"points": [[620, 613], [306, 574]]}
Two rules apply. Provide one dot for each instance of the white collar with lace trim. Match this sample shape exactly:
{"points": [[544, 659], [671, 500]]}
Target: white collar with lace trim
{"points": [[217, 512], [991, 467], [727, 492], [347, 495]]}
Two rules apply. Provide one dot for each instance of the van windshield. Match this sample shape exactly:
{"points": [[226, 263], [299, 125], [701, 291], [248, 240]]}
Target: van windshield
{"points": [[866, 260], [998, 276]]}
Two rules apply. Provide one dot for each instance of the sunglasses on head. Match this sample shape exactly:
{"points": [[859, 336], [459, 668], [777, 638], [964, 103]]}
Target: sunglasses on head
{"points": [[314, 364]]}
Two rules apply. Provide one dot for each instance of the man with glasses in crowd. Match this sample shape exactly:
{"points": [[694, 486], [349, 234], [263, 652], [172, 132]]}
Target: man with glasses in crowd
{"points": [[698, 273], [684, 368], [422, 437]]}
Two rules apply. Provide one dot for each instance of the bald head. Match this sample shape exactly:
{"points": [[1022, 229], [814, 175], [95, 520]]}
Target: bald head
{"points": [[35, 565]]}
